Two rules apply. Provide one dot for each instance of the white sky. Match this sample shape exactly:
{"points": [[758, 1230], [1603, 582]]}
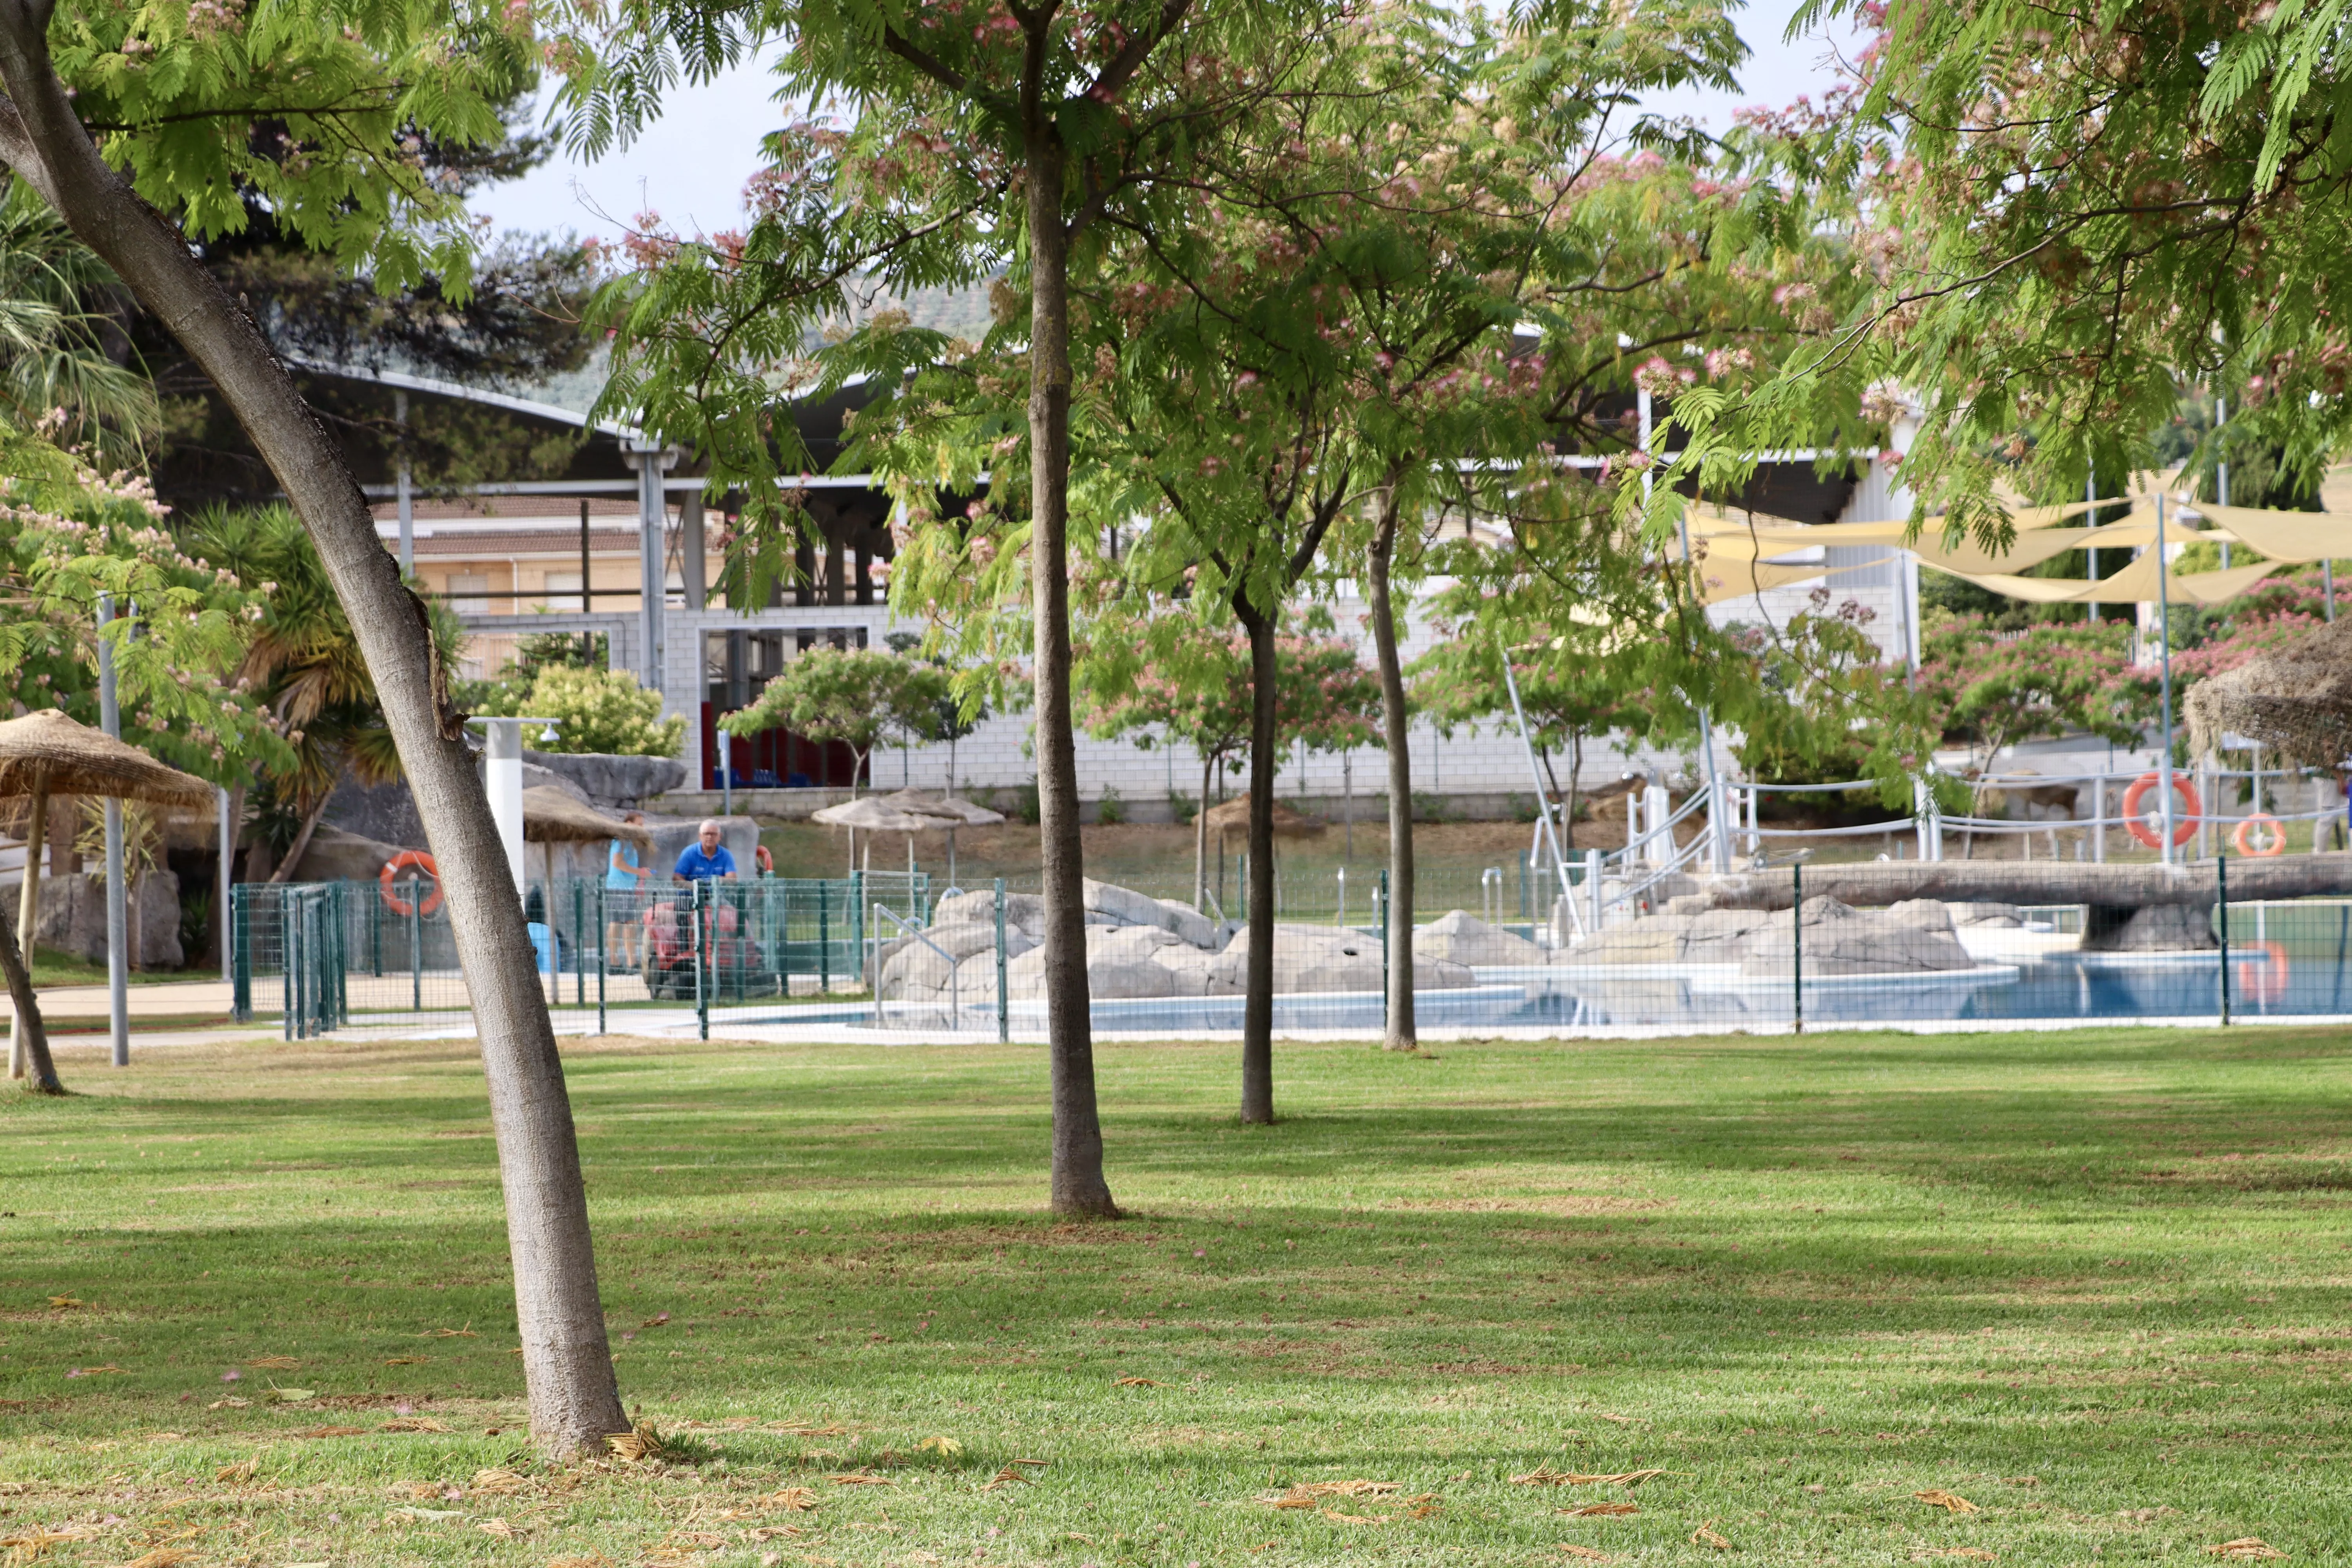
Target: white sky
{"points": [[690, 166]]}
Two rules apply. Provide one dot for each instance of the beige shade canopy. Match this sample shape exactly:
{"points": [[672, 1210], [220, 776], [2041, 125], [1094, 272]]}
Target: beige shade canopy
{"points": [[551, 817], [47, 753], [871, 813], [2295, 698], [1233, 817], [954, 808]]}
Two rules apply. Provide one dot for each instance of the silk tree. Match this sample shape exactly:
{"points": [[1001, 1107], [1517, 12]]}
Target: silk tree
{"points": [[319, 111]]}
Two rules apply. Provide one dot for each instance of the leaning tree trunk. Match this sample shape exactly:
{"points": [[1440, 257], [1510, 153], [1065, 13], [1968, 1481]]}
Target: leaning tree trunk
{"points": [[567, 1363], [39, 1068], [1257, 1002], [295, 851], [1401, 1035], [1078, 1188]]}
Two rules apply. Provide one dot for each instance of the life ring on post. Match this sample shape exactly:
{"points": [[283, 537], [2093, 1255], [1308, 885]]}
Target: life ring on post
{"points": [[2263, 981], [387, 878], [2184, 825], [2274, 844]]}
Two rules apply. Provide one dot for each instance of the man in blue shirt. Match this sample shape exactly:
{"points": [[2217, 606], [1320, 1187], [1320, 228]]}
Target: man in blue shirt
{"points": [[706, 856]]}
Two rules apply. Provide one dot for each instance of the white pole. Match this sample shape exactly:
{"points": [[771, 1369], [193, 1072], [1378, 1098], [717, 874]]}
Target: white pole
{"points": [[2164, 657], [227, 888], [2222, 472], [2091, 520], [502, 781], [117, 910], [1543, 801]]}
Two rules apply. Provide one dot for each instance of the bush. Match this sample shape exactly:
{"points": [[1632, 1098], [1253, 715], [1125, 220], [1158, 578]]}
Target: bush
{"points": [[1183, 807], [1110, 811], [1026, 806], [1427, 808], [601, 710]]}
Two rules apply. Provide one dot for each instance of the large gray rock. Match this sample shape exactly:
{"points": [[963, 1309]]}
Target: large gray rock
{"points": [[1999, 916], [1024, 911], [1460, 937], [611, 781], [1128, 942], [909, 964], [1842, 940], [335, 856], [2158, 928], [1198, 973], [1189, 924], [1719, 936], [1108, 978], [1650, 939], [72, 918]]}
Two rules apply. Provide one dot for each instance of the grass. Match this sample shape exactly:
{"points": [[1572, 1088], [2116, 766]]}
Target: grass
{"points": [[51, 967], [2091, 1283]]}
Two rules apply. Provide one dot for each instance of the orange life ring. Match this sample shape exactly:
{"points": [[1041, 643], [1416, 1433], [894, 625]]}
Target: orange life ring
{"points": [[2184, 825], [389, 874], [2265, 981], [2274, 845]]}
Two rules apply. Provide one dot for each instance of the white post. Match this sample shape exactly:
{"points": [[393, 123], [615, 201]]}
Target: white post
{"points": [[118, 909], [2099, 819], [502, 781], [1593, 884], [726, 775], [653, 559], [406, 498]]}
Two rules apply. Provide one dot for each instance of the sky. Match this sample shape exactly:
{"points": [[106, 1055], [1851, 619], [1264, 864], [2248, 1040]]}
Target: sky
{"points": [[690, 166]]}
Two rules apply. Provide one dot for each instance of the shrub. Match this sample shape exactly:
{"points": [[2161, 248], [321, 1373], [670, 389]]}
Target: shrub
{"points": [[600, 711], [1110, 811]]}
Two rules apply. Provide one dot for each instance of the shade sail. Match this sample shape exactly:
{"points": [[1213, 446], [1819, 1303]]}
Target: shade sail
{"points": [[2283, 536], [2135, 583]]}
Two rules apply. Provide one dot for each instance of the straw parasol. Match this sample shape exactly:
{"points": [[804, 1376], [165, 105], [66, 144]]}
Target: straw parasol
{"points": [[551, 817], [872, 814], [2295, 698], [48, 754], [961, 813]]}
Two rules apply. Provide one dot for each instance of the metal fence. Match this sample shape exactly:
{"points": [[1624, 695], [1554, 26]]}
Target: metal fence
{"points": [[320, 955]]}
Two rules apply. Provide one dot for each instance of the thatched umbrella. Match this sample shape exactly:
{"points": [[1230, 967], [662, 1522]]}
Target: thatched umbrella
{"points": [[48, 754], [872, 814], [1233, 817], [2295, 698], [959, 812], [551, 817]]}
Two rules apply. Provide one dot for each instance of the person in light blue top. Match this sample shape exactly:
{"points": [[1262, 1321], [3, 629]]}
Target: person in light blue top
{"points": [[706, 857], [623, 874]]}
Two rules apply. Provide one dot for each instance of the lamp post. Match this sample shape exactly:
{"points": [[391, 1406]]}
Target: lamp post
{"points": [[118, 909]]}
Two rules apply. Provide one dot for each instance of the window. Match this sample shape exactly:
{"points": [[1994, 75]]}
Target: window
{"points": [[470, 589], [562, 591]]}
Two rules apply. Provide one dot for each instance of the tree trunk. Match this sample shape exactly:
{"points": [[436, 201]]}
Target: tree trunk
{"points": [[1201, 842], [567, 1363], [1078, 1188], [1402, 1035], [42, 1071], [28, 911], [1257, 1000], [295, 851]]}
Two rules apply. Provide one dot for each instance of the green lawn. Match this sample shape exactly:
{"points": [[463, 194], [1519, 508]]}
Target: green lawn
{"points": [[2093, 1284]]}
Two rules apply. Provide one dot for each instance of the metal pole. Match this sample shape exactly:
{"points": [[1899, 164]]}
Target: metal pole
{"points": [[1534, 775], [415, 945], [227, 881], [1592, 885], [604, 957], [824, 941], [1383, 886], [1003, 1002], [118, 909], [2164, 655], [1797, 941], [2221, 904], [2222, 471], [726, 775], [579, 970], [701, 991], [2091, 520], [240, 925]]}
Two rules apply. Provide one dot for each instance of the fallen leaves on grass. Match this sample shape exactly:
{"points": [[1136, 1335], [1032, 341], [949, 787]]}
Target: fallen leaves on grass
{"points": [[403, 1361], [938, 1446], [33, 1542], [770, 1531], [2245, 1549], [642, 1442], [1973, 1554], [593, 1560], [791, 1499], [66, 1303], [1544, 1475], [497, 1480], [332, 1432], [1585, 1553], [1306, 1494], [1950, 1502], [415, 1423], [1009, 1473], [163, 1557], [2020, 1481], [274, 1362], [1139, 1383], [426, 1515], [1704, 1535], [91, 1371], [1603, 1510], [450, 1334], [1622, 1420], [498, 1528], [242, 1471], [292, 1395], [790, 1429], [231, 1403], [860, 1479]]}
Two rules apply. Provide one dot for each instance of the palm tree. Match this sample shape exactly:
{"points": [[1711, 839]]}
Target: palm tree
{"points": [[56, 373], [305, 663]]}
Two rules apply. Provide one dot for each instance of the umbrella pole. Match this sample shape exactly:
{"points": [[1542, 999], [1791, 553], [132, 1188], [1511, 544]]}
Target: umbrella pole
{"points": [[951, 874], [28, 913]]}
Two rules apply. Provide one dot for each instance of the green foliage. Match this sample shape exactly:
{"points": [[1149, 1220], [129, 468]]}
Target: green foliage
{"points": [[853, 695], [1110, 811], [1821, 706], [56, 372], [604, 711], [1994, 690], [74, 535], [1027, 805]]}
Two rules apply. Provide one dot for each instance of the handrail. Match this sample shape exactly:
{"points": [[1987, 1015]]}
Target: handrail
{"points": [[909, 929]]}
